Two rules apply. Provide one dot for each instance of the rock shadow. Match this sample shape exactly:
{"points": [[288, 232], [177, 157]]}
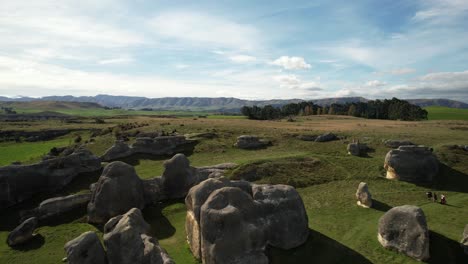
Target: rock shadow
{"points": [[378, 205], [160, 225], [317, 249], [36, 242], [449, 179], [445, 250]]}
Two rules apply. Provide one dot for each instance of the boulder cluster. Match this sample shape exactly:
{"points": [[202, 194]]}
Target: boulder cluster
{"points": [[127, 240], [163, 145], [46, 176], [233, 221], [411, 163]]}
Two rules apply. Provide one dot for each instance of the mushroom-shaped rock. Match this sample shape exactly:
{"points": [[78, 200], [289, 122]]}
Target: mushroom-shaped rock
{"points": [[233, 221], [464, 241], [326, 137], [119, 150], [118, 190], [404, 229], [85, 249], [357, 149], [363, 195], [178, 177], [23, 232], [411, 163], [128, 241], [391, 143], [250, 142]]}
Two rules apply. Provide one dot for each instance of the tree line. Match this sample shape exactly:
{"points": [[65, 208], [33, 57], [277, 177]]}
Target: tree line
{"points": [[394, 109]]}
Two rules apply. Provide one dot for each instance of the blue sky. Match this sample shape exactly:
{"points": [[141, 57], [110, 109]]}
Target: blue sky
{"points": [[245, 49]]}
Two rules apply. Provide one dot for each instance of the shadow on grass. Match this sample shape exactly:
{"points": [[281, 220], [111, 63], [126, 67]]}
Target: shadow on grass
{"points": [[377, 205], [160, 225], [449, 179], [445, 250], [317, 249], [36, 242]]}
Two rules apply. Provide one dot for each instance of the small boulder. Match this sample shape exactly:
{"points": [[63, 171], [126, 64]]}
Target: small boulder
{"points": [[128, 241], [23, 232], [251, 142], [85, 249], [464, 241], [357, 149], [397, 143], [411, 163], [363, 196], [118, 190], [178, 177], [326, 137], [404, 229]]}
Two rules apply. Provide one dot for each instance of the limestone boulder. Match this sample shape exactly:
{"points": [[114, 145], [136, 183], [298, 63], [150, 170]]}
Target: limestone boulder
{"points": [[392, 143], [404, 229], [234, 221], [251, 142], [357, 149], [120, 149], [363, 196], [85, 249], [178, 177], [22, 233], [58, 205], [464, 240], [118, 190], [128, 241], [20, 182], [411, 163], [326, 137]]}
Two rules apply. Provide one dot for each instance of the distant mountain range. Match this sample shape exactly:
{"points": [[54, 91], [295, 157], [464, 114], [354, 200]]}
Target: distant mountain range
{"points": [[211, 104]]}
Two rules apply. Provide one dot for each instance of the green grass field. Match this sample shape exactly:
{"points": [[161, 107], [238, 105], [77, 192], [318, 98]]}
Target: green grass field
{"points": [[446, 113], [325, 175]]}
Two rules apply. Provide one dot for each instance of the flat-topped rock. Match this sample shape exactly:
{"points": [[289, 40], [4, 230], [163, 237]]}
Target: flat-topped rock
{"points": [[412, 164], [326, 137], [404, 229], [20, 182], [251, 142]]}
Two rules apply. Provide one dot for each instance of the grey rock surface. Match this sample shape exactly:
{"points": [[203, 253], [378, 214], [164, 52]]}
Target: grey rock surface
{"points": [[20, 182], [404, 229], [326, 137], [22, 233], [178, 177], [118, 190], [59, 205], [128, 241], [85, 249], [251, 142], [464, 240], [363, 196], [357, 149], [411, 163]]}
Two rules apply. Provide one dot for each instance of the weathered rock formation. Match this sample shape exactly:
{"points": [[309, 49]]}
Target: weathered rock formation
{"points": [[464, 240], [58, 205], [178, 177], [233, 221], [391, 143], [85, 249], [411, 163], [164, 145], [128, 241], [363, 196], [404, 229], [357, 149], [118, 189], [22, 233], [326, 137], [251, 142], [20, 182]]}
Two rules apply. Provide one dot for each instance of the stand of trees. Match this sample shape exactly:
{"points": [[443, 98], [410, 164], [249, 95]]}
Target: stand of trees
{"points": [[393, 109]]}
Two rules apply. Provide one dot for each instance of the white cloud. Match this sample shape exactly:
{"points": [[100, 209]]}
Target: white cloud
{"points": [[291, 63], [118, 60], [401, 71], [242, 58], [291, 81], [441, 11], [203, 29], [375, 83]]}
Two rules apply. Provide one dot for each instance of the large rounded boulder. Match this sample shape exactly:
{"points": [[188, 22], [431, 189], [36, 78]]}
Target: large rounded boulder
{"points": [[178, 177], [404, 229], [22, 233], [85, 249], [411, 163], [118, 190]]}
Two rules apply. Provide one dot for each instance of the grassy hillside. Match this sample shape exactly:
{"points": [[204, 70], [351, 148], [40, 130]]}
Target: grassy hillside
{"points": [[446, 113], [325, 175]]}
